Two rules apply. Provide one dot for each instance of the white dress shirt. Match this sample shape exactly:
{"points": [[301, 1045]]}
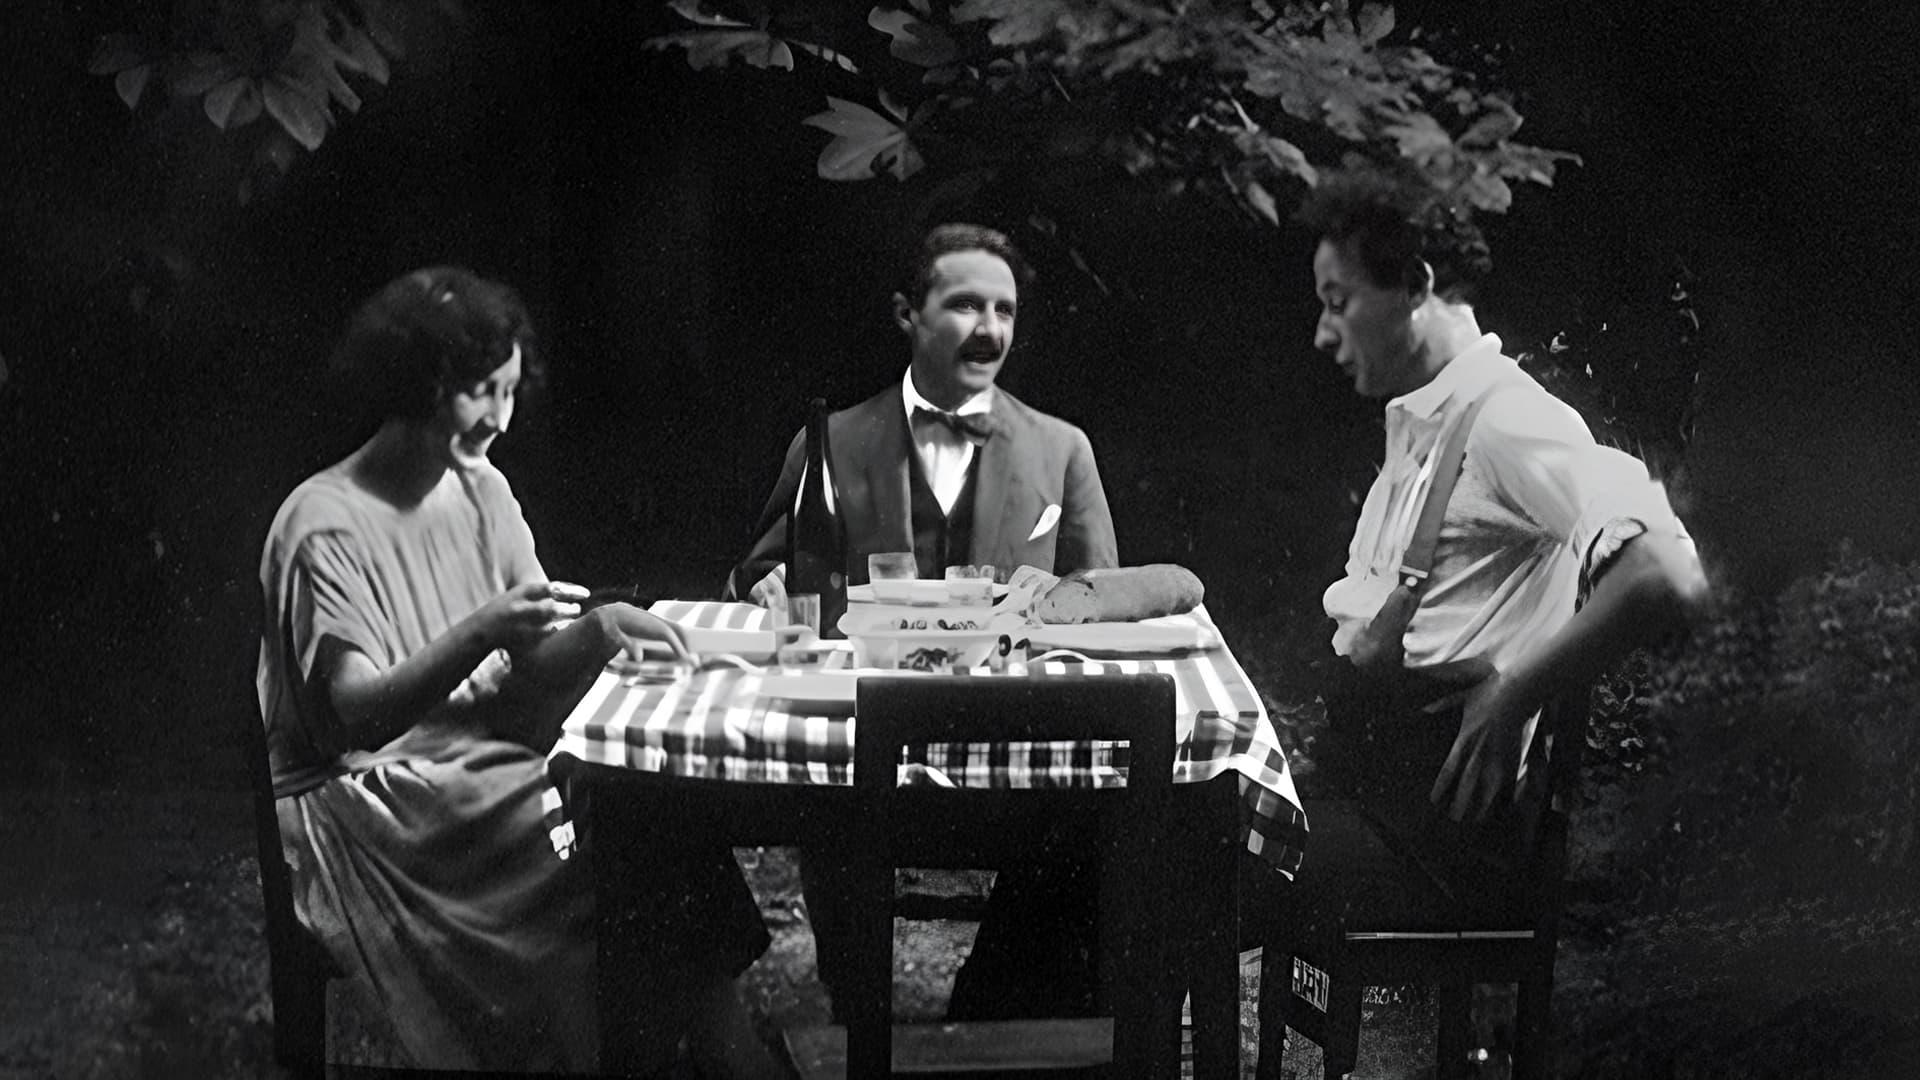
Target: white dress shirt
{"points": [[1534, 494], [945, 454]]}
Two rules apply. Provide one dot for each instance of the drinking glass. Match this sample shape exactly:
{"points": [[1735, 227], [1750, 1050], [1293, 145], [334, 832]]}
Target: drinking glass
{"points": [[892, 574], [801, 630], [970, 586]]}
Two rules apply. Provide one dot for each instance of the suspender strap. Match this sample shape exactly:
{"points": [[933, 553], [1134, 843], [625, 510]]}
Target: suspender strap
{"points": [[1418, 560]]}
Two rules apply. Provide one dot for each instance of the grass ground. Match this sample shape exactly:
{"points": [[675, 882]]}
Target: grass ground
{"points": [[131, 946]]}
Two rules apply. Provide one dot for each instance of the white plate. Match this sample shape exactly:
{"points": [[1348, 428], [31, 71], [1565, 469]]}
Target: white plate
{"points": [[920, 593], [1170, 633], [755, 645], [824, 691]]}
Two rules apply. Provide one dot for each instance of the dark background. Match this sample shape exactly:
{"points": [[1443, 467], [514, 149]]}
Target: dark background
{"points": [[694, 283]]}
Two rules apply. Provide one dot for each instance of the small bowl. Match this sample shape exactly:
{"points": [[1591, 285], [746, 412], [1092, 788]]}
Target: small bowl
{"points": [[920, 640]]}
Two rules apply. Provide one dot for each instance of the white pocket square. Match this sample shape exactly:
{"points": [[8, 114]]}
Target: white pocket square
{"points": [[1048, 519]]}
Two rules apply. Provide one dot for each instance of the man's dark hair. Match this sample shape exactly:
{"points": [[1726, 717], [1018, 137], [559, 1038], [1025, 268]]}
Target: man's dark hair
{"points": [[947, 239], [1393, 225], [430, 330]]}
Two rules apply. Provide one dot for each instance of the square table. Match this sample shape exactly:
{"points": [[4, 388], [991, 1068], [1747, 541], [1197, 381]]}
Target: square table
{"points": [[766, 768]]}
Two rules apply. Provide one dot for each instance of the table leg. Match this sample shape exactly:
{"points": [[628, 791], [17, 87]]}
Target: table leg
{"points": [[1213, 966]]}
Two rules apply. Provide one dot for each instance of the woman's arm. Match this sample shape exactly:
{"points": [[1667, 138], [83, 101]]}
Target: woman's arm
{"points": [[551, 677], [375, 704], [584, 646]]}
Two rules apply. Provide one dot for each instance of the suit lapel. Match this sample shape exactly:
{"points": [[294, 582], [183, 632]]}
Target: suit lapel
{"points": [[884, 458], [995, 481]]}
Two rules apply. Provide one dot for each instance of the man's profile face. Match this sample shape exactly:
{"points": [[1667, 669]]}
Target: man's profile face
{"points": [[1367, 327], [963, 328]]}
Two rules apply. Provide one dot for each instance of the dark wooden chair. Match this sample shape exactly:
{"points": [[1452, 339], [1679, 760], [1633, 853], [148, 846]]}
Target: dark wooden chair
{"points": [[936, 827], [299, 968], [1368, 910]]}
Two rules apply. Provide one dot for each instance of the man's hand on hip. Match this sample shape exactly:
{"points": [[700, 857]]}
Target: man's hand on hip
{"points": [[1484, 765]]}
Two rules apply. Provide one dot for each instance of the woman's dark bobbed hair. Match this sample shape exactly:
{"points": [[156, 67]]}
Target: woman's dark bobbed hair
{"points": [[429, 330]]}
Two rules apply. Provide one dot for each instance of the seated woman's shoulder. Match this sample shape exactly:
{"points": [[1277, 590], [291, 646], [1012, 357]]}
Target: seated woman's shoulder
{"points": [[326, 497]]}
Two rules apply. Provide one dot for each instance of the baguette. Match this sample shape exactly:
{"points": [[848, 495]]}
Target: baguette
{"points": [[1120, 594]]}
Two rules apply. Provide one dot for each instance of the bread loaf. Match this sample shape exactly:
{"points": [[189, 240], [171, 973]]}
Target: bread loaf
{"points": [[1120, 594]]}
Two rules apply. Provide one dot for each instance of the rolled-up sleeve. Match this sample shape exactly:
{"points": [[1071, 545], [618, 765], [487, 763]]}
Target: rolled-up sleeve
{"points": [[1592, 498]]}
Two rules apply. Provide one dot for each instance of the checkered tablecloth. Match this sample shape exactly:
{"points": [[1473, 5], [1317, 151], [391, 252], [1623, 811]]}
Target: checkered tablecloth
{"points": [[718, 725]]}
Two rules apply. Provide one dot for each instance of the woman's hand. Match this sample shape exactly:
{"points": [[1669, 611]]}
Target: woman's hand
{"points": [[525, 614], [634, 628]]}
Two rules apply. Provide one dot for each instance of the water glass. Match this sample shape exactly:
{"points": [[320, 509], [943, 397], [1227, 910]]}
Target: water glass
{"points": [[892, 574], [970, 586], [793, 639]]}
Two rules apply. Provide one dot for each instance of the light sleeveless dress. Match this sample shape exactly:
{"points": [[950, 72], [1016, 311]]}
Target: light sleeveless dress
{"points": [[424, 866]]}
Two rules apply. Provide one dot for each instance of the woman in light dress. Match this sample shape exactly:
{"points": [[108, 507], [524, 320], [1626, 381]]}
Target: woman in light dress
{"points": [[415, 666]]}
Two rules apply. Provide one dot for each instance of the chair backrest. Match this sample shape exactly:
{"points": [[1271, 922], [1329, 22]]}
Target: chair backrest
{"points": [[275, 882], [1563, 722], [934, 826], [892, 713]]}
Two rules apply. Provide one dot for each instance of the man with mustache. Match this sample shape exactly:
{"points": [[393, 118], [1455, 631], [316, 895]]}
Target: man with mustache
{"points": [[955, 469], [946, 464]]}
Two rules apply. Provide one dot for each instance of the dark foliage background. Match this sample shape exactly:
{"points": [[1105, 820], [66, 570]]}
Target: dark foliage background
{"points": [[696, 283]]}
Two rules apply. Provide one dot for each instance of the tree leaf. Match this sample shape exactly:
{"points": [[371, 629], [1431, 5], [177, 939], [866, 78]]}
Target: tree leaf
{"points": [[295, 107], [232, 104], [314, 60], [839, 59], [131, 82], [1488, 192], [1497, 124], [199, 73], [383, 25], [1261, 201], [1278, 152], [914, 40], [1015, 22], [691, 11], [1374, 22], [717, 48], [115, 53], [1420, 138], [357, 52], [864, 142]]}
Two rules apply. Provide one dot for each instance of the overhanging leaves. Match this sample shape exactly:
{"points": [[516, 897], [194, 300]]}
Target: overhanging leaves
{"points": [[302, 117], [864, 143], [914, 40], [1247, 99], [235, 103], [718, 48], [1015, 22], [289, 58]]}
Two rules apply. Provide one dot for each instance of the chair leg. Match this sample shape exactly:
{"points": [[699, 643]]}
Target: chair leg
{"points": [[869, 1012], [1454, 1038], [1533, 1027], [1341, 1051], [300, 1021], [1276, 1008]]}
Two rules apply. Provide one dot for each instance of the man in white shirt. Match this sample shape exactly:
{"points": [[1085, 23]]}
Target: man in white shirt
{"points": [[946, 464], [1540, 514]]}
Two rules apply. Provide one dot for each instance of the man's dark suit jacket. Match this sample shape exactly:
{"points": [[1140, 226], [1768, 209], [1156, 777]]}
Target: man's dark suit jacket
{"points": [[1032, 461]]}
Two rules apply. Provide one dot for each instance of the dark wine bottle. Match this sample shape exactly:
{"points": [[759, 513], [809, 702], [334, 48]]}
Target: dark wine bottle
{"points": [[816, 543]]}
